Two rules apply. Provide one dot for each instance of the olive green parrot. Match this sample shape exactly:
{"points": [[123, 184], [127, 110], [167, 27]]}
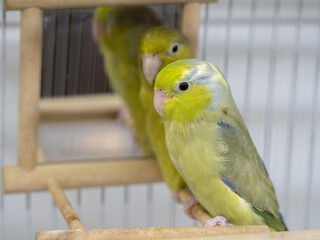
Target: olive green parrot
{"points": [[118, 31], [211, 147], [158, 47]]}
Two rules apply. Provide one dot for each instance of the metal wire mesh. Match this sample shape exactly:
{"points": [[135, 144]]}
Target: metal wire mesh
{"points": [[2, 107]]}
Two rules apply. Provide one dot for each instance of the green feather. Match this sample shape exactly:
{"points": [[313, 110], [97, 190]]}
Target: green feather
{"points": [[123, 28], [159, 40], [275, 223], [208, 140]]}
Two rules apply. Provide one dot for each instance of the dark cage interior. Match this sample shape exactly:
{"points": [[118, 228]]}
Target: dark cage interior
{"points": [[71, 62]]}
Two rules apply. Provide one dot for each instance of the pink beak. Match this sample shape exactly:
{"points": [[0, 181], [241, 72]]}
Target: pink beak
{"points": [[150, 65], [159, 97]]}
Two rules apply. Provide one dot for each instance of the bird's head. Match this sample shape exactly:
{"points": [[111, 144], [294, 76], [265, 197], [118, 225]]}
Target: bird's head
{"points": [[160, 46], [185, 88], [99, 22], [110, 19]]}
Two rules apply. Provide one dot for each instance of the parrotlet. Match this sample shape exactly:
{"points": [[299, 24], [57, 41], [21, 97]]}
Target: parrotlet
{"points": [[211, 148], [158, 47], [118, 31]]}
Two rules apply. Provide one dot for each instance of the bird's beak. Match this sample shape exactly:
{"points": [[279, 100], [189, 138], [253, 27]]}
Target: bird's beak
{"points": [[159, 97], [151, 65], [97, 30]]}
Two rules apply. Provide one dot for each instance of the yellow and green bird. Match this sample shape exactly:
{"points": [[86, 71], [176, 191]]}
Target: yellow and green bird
{"points": [[211, 147], [118, 31], [158, 47]]}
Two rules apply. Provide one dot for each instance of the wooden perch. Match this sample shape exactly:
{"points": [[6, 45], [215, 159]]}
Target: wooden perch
{"points": [[58, 4], [81, 174], [197, 210], [150, 233], [64, 205], [80, 107], [290, 235]]}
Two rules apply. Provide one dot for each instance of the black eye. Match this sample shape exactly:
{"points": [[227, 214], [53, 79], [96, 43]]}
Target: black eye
{"points": [[174, 49], [183, 86]]}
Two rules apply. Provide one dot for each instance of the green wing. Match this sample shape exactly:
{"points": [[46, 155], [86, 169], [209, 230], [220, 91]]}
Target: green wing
{"points": [[245, 173], [123, 28]]}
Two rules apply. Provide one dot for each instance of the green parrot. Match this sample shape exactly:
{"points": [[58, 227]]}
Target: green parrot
{"points": [[118, 31], [211, 148], [158, 47]]}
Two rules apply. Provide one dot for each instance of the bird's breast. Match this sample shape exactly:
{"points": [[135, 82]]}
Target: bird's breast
{"points": [[193, 150]]}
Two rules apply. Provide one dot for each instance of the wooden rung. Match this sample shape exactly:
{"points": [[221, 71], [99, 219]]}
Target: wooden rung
{"points": [[197, 210], [81, 174], [65, 206], [80, 107], [51, 4], [190, 22], [151, 233], [29, 86]]}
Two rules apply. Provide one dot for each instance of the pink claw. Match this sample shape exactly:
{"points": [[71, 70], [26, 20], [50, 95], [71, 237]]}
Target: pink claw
{"points": [[218, 221], [97, 30], [175, 196], [124, 117], [191, 201]]}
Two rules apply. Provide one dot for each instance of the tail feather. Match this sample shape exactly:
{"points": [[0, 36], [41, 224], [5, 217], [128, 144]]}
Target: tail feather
{"points": [[276, 224]]}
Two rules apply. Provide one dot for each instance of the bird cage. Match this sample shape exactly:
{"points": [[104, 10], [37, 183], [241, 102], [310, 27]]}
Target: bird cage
{"points": [[70, 148]]}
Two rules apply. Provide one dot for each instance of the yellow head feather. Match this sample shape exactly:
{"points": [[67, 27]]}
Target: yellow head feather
{"points": [[162, 41]]}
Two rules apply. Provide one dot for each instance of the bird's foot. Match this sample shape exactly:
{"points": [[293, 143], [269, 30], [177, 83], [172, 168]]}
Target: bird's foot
{"points": [[191, 201], [124, 117], [97, 30], [175, 196], [218, 221]]}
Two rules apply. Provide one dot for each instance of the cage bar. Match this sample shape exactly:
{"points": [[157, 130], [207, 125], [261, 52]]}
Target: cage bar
{"points": [[292, 104], [247, 93], [313, 132], [227, 44], [271, 77], [2, 108]]}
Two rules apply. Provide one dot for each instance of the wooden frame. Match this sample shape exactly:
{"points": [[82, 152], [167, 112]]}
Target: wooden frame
{"points": [[29, 175], [29, 91], [49, 4]]}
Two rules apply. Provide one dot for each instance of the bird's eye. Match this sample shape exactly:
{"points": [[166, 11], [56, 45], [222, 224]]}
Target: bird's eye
{"points": [[174, 49], [183, 86]]}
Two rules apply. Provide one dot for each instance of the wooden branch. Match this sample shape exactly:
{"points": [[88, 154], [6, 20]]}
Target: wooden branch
{"points": [[190, 22], [65, 206], [80, 107], [150, 233], [81, 174], [29, 86], [197, 210], [60, 4]]}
